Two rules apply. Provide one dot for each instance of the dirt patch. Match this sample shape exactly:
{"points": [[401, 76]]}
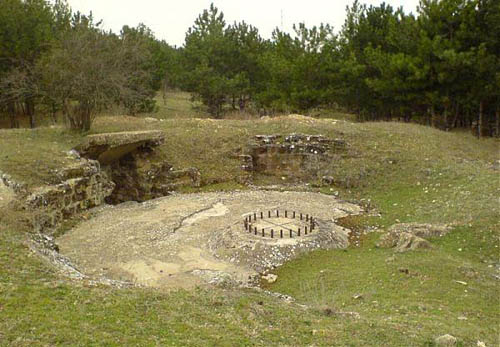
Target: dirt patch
{"points": [[187, 240]]}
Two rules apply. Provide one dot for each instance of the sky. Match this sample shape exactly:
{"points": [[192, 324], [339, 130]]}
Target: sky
{"points": [[170, 19]]}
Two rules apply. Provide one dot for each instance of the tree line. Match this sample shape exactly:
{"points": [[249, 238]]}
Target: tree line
{"points": [[56, 61], [440, 66]]}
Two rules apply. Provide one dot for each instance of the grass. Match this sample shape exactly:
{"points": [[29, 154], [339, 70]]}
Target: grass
{"points": [[407, 173]]}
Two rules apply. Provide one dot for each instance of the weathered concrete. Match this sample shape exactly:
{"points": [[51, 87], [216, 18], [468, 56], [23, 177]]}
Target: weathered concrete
{"points": [[129, 159], [110, 147], [190, 239]]}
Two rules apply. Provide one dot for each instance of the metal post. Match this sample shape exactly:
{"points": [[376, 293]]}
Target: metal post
{"points": [[281, 233], [277, 213], [268, 214], [262, 232], [255, 231], [262, 215], [286, 212], [305, 230], [272, 233], [307, 217], [254, 216], [298, 232], [301, 216], [291, 233], [293, 214]]}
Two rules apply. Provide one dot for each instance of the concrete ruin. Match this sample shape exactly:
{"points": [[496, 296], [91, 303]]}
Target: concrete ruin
{"points": [[293, 155], [184, 240], [130, 161], [106, 168]]}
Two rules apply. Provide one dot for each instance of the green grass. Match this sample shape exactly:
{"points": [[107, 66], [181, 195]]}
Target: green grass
{"points": [[178, 105], [405, 172]]}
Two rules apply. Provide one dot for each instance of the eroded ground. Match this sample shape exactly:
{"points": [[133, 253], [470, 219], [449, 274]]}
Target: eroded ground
{"points": [[187, 240]]}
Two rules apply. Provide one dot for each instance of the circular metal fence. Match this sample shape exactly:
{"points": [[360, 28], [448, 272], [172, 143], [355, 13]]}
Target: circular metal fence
{"points": [[279, 224]]}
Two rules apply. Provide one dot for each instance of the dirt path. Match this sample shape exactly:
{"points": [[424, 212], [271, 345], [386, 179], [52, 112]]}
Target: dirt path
{"points": [[186, 240]]}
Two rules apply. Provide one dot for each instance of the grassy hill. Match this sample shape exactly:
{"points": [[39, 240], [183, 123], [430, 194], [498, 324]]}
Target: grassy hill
{"points": [[405, 172]]}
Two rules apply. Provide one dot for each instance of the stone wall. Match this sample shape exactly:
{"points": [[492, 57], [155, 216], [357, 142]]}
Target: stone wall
{"points": [[83, 186], [295, 155], [107, 168]]}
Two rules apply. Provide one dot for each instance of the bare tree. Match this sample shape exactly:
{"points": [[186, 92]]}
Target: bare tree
{"points": [[90, 71]]}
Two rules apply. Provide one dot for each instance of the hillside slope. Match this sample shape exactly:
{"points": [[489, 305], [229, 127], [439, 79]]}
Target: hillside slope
{"points": [[404, 172]]}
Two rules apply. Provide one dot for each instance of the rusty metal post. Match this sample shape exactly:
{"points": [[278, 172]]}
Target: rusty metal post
{"points": [[272, 233], [281, 233]]}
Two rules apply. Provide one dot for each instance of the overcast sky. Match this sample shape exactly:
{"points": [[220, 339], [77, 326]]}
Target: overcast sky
{"points": [[170, 19]]}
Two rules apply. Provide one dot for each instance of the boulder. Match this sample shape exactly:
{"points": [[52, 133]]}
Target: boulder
{"points": [[408, 242], [409, 236], [110, 147]]}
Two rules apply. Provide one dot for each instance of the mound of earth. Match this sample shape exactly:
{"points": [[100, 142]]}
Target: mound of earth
{"points": [[191, 239]]}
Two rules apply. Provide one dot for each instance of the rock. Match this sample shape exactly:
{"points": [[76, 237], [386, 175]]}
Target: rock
{"points": [[423, 230], [409, 236], [327, 180], [109, 147], [357, 296], [481, 344], [446, 340], [270, 278], [408, 242], [402, 242]]}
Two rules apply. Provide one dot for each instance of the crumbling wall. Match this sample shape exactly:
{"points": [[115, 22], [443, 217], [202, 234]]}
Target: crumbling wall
{"points": [[131, 162], [140, 176], [83, 186], [295, 155]]}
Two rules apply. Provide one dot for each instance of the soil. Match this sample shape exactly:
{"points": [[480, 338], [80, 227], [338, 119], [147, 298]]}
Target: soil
{"points": [[193, 239]]}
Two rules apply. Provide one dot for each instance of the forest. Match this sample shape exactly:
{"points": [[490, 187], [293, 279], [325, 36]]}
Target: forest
{"points": [[440, 66]]}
